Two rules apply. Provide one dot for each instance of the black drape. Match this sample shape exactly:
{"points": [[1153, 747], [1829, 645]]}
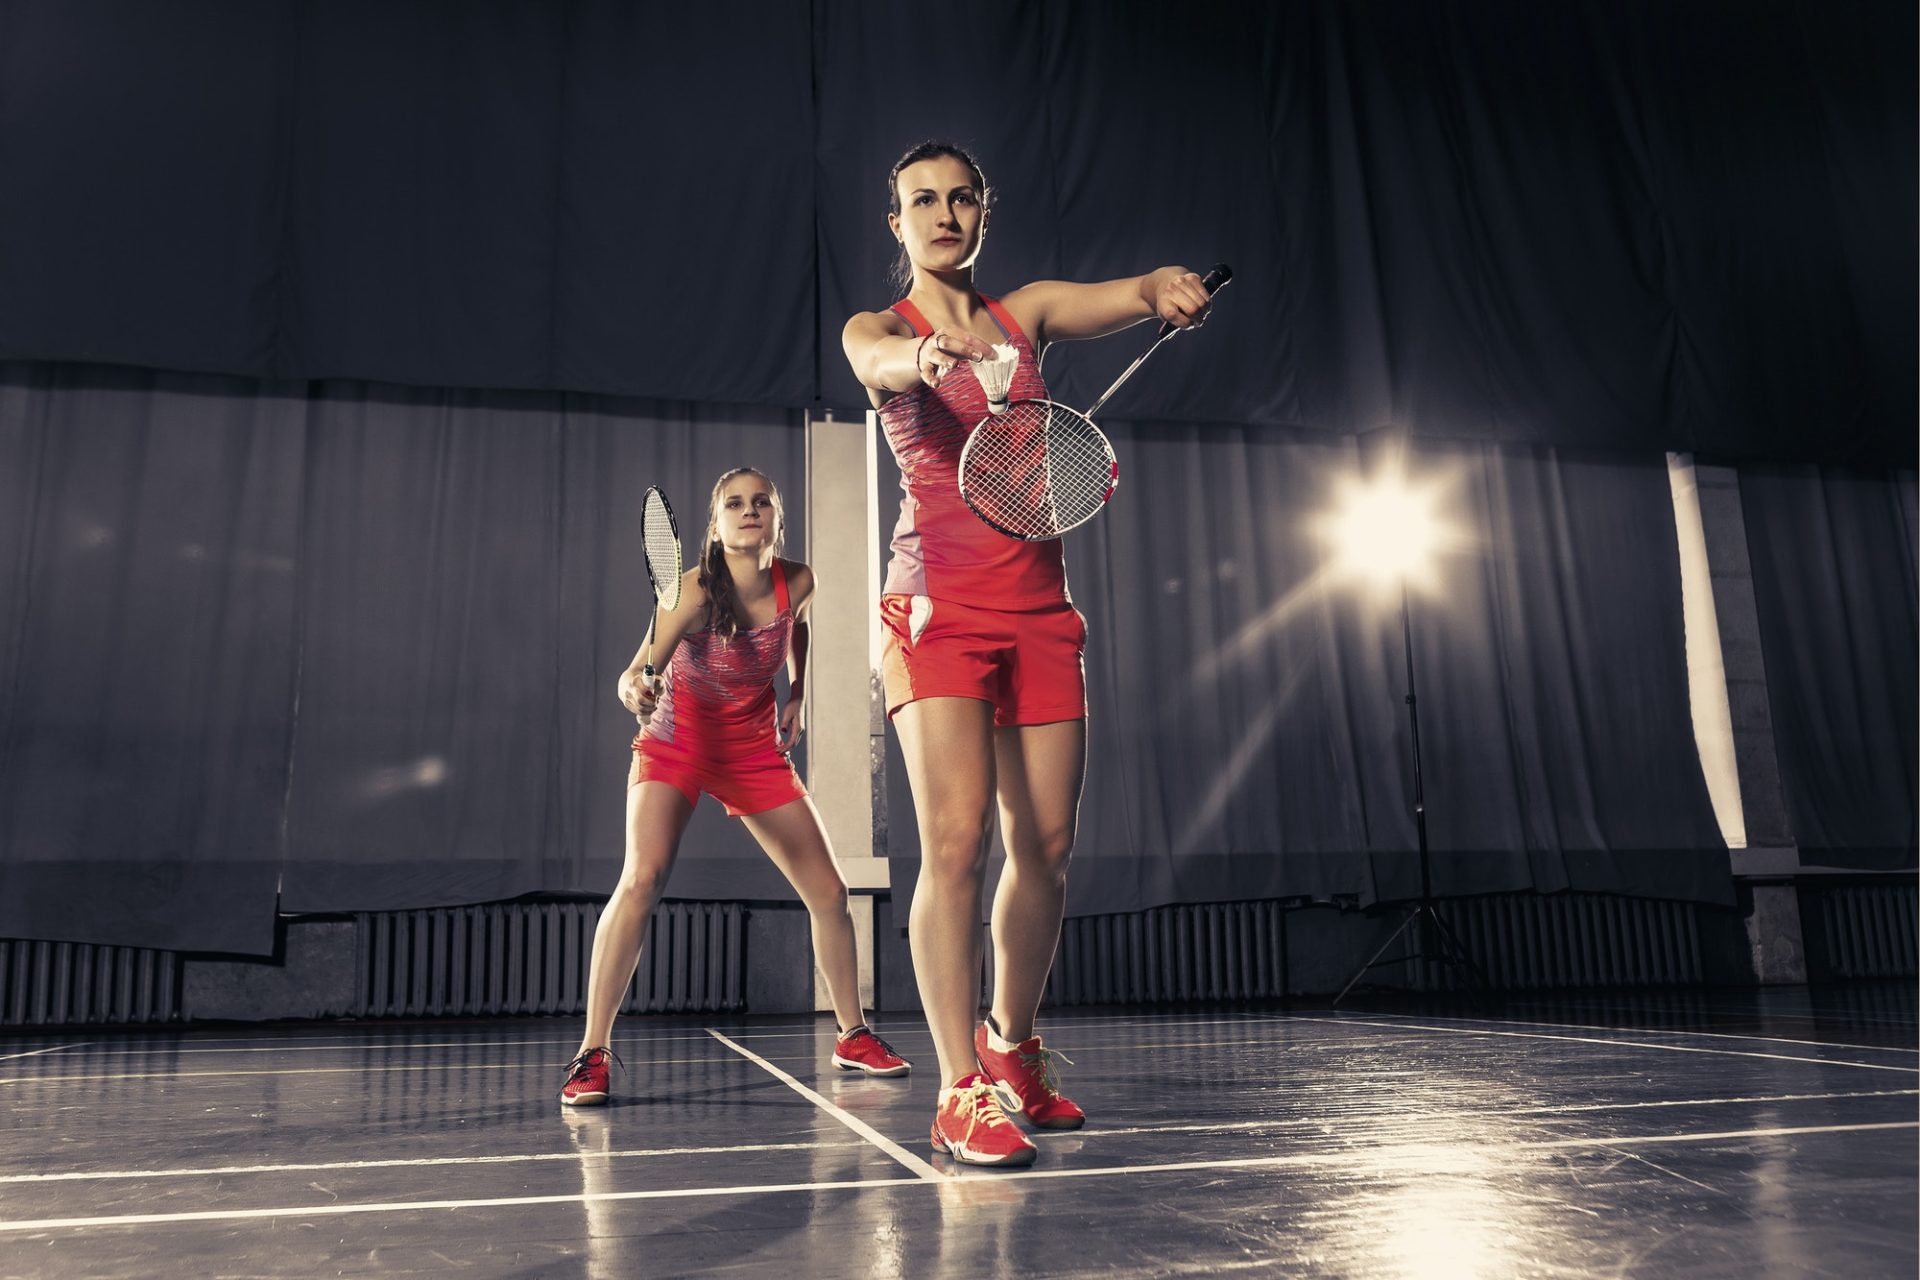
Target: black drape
{"points": [[1248, 736], [149, 534], [1588, 223], [472, 588], [1834, 584], [359, 643]]}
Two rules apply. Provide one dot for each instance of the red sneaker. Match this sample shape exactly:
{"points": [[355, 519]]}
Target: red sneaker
{"points": [[587, 1079], [1026, 1081], [861, 1050], [971, 1127]]}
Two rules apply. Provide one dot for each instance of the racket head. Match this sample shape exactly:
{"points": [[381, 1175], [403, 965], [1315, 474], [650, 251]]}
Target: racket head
{"points": [[660, 540], [1037, 470]]}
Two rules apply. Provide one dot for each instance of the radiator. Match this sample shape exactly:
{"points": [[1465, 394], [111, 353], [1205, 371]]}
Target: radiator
{"points": [[1211, 951], [528, 958], [1529, 942], [1860, 931], [1237, 951], [71, 983]]}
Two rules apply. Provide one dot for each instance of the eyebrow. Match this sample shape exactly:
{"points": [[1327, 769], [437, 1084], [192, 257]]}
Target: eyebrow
{"points": [[965, 186]]}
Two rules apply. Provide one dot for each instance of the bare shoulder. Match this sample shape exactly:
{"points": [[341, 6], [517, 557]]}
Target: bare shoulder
{"points": [[800, 583], [1028, 305], [871, 326]]}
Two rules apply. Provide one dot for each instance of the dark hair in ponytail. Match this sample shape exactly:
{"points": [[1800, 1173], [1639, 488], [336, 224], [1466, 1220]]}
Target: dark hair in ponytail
{"points": [[901, 276], [724, 613]]}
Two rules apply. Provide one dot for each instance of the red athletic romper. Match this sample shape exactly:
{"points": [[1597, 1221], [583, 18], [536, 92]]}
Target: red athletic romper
{"points": [[971, 613], [715, 728]]}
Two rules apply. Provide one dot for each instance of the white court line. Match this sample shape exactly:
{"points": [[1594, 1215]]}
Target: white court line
{"points": [[1663, 1031], [1618, 1044], [1231, 1126], [34, 1053], [1345, 1158], [186, 1043], [1238, 1126], [919, 1167], [362, 1069], [423, 1162]]}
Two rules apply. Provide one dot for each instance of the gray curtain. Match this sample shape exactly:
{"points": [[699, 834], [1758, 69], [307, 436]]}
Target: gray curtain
{"points": [[1249, 738], [353, 643], [1834, 584]]}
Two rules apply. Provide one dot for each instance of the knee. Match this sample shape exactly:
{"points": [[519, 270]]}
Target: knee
{"points": [[1048, 852], [829, 901], [640, 887], [953, 847]]}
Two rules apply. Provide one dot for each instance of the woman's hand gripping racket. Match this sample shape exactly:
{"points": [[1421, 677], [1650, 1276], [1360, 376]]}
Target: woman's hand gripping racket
{"points": [[660, 539], [1035, 469]]}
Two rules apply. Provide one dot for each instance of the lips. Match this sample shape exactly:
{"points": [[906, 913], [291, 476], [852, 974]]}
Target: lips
{"points": [[947, 240]]}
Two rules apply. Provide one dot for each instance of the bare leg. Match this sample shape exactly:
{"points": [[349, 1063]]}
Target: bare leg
{"points": [[794, 838], [1041, 770], [657, 815], [951, 798]]}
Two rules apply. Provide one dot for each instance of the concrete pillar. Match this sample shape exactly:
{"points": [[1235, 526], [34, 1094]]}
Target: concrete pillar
{"points": [[1771, 859], [846, 721]]}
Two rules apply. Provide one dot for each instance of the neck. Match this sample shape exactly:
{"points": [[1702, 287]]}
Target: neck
{"points": [[752, 571], [948, 294]]}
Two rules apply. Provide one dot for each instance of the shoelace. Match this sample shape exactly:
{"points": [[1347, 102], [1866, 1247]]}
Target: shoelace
{"points": [[581, 1064], [985, 1106], [1043, 1059]]}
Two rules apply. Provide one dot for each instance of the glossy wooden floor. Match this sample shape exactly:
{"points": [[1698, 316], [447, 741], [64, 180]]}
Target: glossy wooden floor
{"points": [[1732, 1135]]}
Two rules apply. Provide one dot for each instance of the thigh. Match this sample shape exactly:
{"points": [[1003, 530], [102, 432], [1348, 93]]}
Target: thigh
{"points": [[657, 816], [796, 840], [948, 746], [1041, 769]]}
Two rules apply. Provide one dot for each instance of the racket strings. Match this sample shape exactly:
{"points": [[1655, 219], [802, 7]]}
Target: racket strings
{"points": [[1037, 470], [660, 537]]}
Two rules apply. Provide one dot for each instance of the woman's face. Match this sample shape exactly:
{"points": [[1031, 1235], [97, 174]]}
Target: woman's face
{"points": [[745, 517], [941, 219]]}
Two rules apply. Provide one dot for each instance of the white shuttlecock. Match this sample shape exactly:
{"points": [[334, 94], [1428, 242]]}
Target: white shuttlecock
{"points": [[996, 376]]}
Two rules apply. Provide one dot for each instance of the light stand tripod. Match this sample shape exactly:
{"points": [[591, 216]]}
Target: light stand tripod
{"points": [[1434, 941]]}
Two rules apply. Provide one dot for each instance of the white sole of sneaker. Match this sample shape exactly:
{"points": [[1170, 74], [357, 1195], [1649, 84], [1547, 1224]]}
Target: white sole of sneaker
{"points": [[966, 1155], [584, 1100], [847, 1064]]}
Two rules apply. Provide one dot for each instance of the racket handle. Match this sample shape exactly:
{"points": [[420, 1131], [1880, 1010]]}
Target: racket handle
{"points": [[1215, 280]]}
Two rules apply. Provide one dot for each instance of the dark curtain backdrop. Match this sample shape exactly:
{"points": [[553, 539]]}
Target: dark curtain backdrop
{"points": [[1590, 223], [1248, 736], [358, 642], [149, 542], [1834, 582]]}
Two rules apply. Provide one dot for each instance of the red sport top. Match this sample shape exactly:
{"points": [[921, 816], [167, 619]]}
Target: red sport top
{"points": [[940, 548], [719, 689]]}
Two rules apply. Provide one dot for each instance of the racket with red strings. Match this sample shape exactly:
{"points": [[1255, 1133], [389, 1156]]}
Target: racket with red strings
{"points": [[1036, 468]]}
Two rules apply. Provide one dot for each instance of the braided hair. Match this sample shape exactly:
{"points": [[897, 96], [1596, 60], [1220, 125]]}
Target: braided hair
{"points": [[725, 614]]}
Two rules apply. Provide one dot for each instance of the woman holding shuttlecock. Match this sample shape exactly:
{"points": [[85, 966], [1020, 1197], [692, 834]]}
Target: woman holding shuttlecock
{"points": [[983, 665]]}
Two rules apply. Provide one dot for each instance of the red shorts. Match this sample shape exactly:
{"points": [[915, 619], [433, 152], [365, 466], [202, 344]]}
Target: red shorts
{"points": [[750, 782], [1030, 665]]}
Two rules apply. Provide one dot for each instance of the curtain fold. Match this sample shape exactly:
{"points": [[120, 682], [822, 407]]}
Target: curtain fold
{"points": [[1249, 734], [349, 644], [1582, 224], [1834, 585]]}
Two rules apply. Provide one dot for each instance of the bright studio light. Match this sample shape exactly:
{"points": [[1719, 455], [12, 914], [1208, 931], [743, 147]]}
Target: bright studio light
{"points": [[1384, 530]]}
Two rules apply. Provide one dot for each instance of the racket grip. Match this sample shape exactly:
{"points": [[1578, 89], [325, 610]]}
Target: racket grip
{"points": [[1215, 280]]}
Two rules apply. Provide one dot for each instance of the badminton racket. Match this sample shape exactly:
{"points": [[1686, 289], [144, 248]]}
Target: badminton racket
{"points": [[660, 539], [1037, 468]]}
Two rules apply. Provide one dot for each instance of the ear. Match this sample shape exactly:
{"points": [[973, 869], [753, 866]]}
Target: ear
{"points": [[986, 219], [893, 225]]}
